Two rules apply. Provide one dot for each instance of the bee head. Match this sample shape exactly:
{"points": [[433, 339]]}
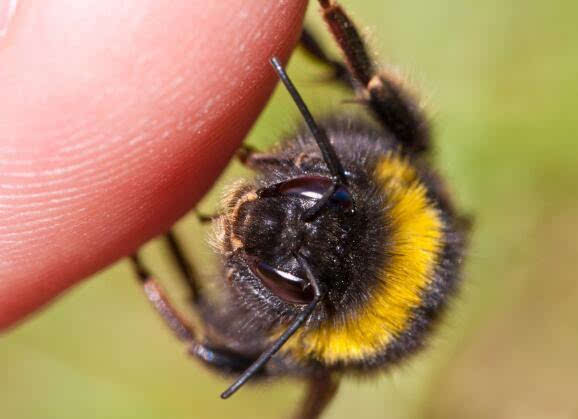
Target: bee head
{"points": [[306, 215]]}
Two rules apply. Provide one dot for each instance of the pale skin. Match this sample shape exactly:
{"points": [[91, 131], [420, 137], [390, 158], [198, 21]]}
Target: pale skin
{"points": [[115, 120]]}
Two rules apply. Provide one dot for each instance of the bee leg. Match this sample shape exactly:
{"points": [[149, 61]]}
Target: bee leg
{"points": [[223, 360], [390, 102], [320, 391], [247, 155], [186, 270], [314, 49], [155, 294], [253, 159]]}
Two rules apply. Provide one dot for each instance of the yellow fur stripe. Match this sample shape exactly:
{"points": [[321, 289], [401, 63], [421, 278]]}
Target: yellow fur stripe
{"points": [[414, 248]]}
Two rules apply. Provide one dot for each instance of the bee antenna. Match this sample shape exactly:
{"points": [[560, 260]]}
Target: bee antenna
{"points": [[297, 323], [327, 150]]}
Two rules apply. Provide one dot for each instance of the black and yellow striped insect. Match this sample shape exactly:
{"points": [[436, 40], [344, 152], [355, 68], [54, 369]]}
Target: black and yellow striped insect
{"points": [[341, 254]]}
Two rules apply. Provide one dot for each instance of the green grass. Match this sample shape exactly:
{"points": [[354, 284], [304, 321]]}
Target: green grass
{"points": [[500, 80]]}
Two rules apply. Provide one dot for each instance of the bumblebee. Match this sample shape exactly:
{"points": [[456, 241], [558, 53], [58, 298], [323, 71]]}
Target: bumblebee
{"points": [[342, 253]]}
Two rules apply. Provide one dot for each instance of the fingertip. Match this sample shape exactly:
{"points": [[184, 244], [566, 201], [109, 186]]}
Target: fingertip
{"points": [[115, 126]]}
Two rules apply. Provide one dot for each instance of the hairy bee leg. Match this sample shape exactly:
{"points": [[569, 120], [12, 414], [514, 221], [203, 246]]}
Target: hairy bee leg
{"points": [[155, 294], [340, 72], [390, 102], [256, 160], [186, 270], [321, 390], [221, 359]]}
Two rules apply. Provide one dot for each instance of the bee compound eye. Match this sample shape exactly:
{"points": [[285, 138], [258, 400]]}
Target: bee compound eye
{"points": [[284, 285], [315, 187], [307, 186], [312, 187]]}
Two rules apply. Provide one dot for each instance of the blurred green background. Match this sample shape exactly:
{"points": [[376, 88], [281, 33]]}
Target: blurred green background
{"points": [[501, 81]]}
